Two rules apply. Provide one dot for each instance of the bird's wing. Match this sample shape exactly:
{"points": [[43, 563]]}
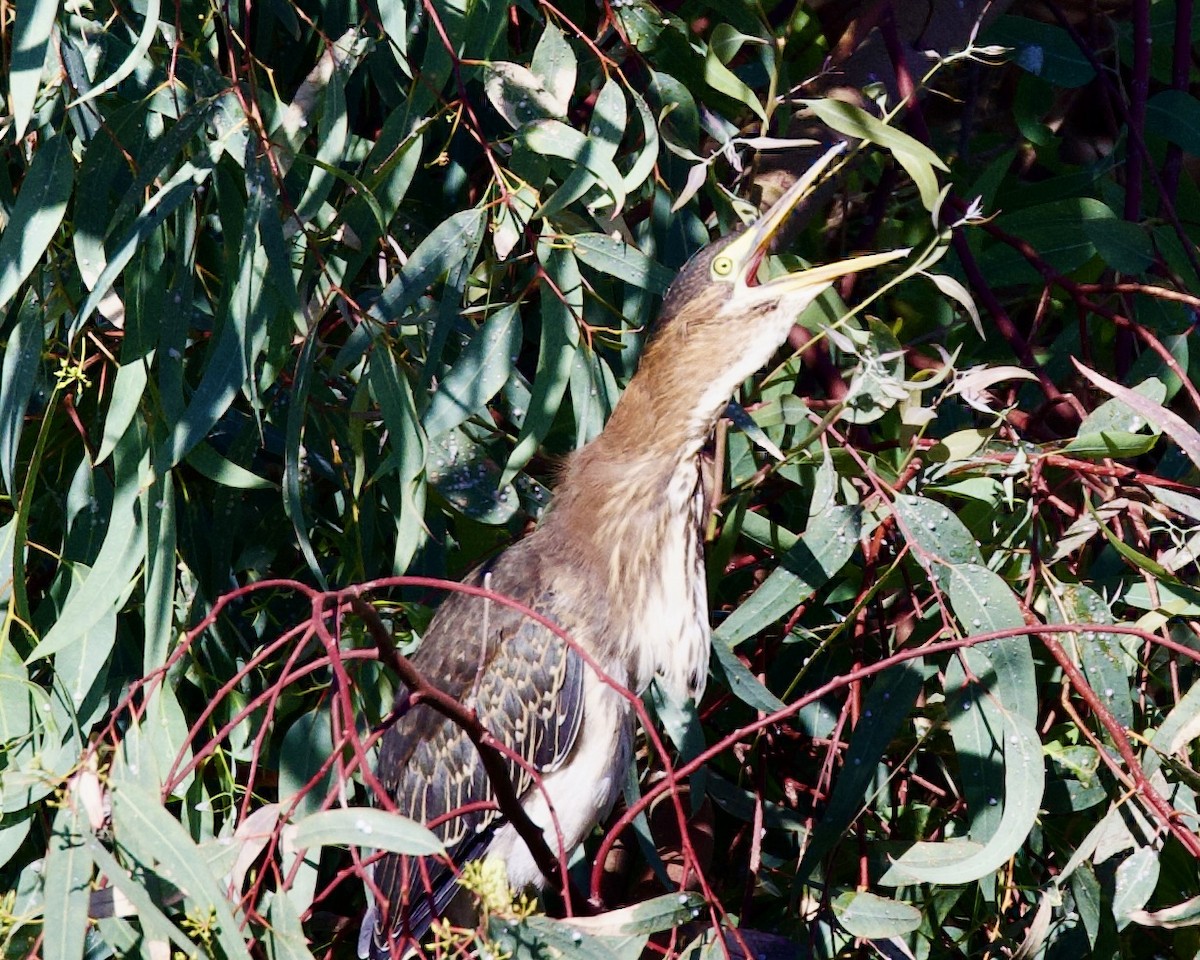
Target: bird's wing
{"points": [[525, 685]]}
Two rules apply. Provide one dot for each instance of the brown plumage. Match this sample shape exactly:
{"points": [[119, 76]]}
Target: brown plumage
{"points": [[618, 563]]}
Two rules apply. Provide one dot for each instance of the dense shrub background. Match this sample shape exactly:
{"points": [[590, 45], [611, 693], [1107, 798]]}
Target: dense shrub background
{"points": [[297, 297]]}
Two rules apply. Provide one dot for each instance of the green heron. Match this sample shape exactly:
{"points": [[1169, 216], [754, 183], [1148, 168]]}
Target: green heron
{"points": [[618, 563]]}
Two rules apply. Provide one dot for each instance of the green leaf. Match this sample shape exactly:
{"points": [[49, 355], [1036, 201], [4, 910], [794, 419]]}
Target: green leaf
{"points": [[30, 40], [1116, 415], [555, 139], [366, 827], [434, 257], [469, 479], [14, 831], [1045, 50], [156, 925], [128, 387], [646, 160], [1169, 422], [152, 745], [1137, 876], [1058, 231], [169, 198], [916, 158], [878, 383], [956, 862], [1111, 444], [332, 140], [567, 939], [160, 845], [293, 503], [649, 916], [1175, 116], [37, 213], [642, 23], [480, 371], [984, 603], [953, 289], [938, 537], [723, 46], [620, 260], [886, 706], [287, 933], [562, 307], [741, 682], [1124, 246], [68, 883], [218, 469], [133, 60], [554, 66], [1136, 558], [407, 440], [873, 917], [18, 379], [114, 575], [825, 547], [519, 95], [307, 745]]}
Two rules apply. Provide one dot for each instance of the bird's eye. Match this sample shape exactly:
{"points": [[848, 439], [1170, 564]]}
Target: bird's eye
{"points": [[722, 266]]}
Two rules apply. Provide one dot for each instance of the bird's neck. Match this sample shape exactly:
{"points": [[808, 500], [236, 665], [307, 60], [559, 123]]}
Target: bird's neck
{"points": [[643, 469]]}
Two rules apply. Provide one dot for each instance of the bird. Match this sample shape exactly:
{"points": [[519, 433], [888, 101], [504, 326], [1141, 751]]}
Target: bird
{"points": [[617, 562]]}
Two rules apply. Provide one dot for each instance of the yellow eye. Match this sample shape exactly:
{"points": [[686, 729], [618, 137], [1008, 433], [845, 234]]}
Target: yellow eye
{"points": [[722, 266]]}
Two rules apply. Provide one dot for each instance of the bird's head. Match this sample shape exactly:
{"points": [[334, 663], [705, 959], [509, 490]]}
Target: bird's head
{"points": [[722, 319], [723, 283]]}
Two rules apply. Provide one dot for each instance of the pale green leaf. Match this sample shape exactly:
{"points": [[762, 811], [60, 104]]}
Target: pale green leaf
{"points": [[868, 915], [68, 883], [366, 827]]}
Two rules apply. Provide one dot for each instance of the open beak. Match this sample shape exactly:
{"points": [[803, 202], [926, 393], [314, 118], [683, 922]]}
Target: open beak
{"points": [[750, 249]]}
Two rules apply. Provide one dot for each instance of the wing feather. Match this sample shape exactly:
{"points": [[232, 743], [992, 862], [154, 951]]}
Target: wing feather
{"points": [[527, 687]]}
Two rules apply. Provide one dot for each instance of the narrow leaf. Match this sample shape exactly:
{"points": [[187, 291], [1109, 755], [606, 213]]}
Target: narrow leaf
{"points": [[37, 213], [1165, 420], [30, 40], [916, 158], [68, 882], [366, 827], [554, 138], [825, 547], [620, 260], [142, 826], [868, 915], [956, 862], [132, 61], [482, 368], [18, 378], [562, 304]]}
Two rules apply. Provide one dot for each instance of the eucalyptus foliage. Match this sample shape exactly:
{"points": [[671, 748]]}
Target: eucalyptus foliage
{"points": [[298, 299]]}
